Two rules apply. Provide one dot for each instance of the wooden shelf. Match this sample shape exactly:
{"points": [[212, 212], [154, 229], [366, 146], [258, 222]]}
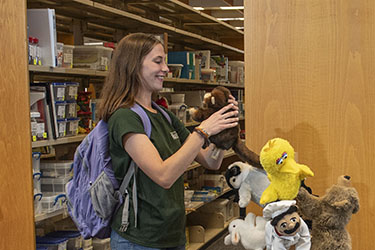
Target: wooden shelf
{"points": [[104, 22], [58, 214], [60, 141], [197, 204], [45, 70], [209, 234]]}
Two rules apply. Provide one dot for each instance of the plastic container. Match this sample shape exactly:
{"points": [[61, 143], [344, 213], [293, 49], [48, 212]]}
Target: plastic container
{"points": [[52, 203], [74, 238], [72, 127], [36, 161], [175, 70], [54, 185], [60, 107], [71, 90], [52, 243], [92, 57], [71, 109], [68, 56], [58, 89], [57, 169], [38, 203], [177, 98], [36, 182], [60, 54], [208, 75], [37, 127], [61, 128]]}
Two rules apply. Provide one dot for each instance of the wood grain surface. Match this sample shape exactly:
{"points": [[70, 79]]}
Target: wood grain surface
{"points": [[310, 78], [16, 198]]}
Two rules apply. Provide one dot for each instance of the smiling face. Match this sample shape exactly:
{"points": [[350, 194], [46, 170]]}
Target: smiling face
{"points": [[288, 225], [154, 69]]}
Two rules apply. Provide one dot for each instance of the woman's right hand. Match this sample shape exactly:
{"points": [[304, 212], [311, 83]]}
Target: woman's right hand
{"points": [[220, 120]]}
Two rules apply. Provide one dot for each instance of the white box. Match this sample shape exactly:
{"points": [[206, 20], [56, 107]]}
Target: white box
{"points": [[41, 24], [92, 57], [101, 244]]}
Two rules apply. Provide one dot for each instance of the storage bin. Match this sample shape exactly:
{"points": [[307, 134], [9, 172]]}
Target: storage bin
{"points": [[72, 127], [92, 57], [36, 182], [38, 203], [223, 206], [60, 107], [71, 109], [177, 98], [58, 90], [208, 75], [54, 185], [101, 244], [59, 54], [57, 169], [175, 70], [38, 131], [68, 56], [74, 238], [36, 161], [71, 90], [61, 128], [51, 203], [51, 243]]}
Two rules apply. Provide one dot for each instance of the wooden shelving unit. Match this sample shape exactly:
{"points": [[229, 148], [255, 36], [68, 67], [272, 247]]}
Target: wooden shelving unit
{"points": [[180, 21], [182, 27]]}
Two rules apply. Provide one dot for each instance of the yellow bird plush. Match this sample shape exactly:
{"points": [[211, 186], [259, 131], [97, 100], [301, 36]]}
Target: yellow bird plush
{"points": [[284, 173]]}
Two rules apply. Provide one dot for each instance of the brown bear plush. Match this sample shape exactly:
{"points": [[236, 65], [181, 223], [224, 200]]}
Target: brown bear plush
{"points": [[228, 138], [330, 214]]}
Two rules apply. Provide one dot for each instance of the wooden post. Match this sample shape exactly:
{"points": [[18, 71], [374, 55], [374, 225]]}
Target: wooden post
{"points": [[16, 196]]}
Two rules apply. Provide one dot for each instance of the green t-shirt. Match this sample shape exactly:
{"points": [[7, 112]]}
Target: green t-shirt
{"points": [[161, 212]]}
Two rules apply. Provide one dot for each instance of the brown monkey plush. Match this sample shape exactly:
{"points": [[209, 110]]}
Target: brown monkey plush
{"points": [[228, 138]]}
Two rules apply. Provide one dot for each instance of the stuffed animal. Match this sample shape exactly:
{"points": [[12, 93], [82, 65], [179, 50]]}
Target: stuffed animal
{"points": [[330, 214], [250, 182], [250, 234], [277, 158], [285, 228], [228, 138]]}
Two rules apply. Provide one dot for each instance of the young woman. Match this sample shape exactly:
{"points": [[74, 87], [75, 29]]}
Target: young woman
{"points": [[138, 69]]}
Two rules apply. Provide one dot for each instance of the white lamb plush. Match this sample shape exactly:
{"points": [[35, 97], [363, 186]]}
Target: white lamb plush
{"points": [[250, 232], [250, 182]]}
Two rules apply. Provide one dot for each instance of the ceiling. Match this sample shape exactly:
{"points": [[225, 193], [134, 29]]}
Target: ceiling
{"points": [[229, 11]]}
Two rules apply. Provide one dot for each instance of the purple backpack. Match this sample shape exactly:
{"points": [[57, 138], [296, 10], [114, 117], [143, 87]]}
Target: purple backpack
{"points": [[94, 194]]}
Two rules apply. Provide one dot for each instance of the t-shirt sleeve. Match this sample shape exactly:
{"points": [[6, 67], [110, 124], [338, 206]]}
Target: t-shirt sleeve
{"points": [[122, 122]]}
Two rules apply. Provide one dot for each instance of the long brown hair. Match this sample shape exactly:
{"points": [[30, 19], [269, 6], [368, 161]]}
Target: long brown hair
{"points": [[124, 76]]}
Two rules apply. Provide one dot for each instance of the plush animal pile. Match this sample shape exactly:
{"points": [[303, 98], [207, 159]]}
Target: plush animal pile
{"points": [[330, 214], [228, 138], [250, 232], [285, 174]]}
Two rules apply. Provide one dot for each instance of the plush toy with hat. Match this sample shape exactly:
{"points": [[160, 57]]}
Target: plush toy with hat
{"points": [[285, 174], [250, 232], [285, 228], [330, 214], [250, 182]]}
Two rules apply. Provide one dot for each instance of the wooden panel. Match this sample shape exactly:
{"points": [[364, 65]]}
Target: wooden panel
{"points": [[310, 79], [16, 210]]}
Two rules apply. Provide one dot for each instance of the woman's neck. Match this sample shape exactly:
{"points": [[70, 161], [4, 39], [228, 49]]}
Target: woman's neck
{"points": [[145, 101]]}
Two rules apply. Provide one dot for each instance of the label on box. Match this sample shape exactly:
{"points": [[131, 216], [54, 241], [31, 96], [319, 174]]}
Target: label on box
{"points": [[73, 127], [60, 93], [61, 111], [72, 109]]}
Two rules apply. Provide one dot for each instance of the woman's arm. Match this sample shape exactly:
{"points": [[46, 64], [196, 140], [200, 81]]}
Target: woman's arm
{"points": [[166, 172]]}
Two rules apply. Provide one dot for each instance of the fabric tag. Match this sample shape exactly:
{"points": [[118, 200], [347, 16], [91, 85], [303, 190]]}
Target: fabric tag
{"points": [[174, 135]]}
